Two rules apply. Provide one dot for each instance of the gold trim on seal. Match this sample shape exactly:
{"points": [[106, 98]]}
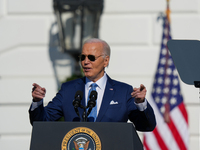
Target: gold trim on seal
{"points": [[78, 130]]}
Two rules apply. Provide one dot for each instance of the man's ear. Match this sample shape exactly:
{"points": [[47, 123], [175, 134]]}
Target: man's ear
{"points": [[106, 61]]}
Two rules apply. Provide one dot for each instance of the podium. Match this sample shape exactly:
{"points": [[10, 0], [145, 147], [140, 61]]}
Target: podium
{"points": [[84, 136]]}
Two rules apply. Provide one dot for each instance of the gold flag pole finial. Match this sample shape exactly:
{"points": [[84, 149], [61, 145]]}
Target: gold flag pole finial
{"points": [[168, 11]]}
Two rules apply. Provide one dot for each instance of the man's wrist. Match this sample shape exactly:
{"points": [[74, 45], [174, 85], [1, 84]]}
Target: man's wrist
{"points": [[141, 106], [36, 104], [139, 101], [36, 100]]}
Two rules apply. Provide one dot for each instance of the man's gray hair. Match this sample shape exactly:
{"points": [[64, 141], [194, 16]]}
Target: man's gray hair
{"points": [[106, 47]]}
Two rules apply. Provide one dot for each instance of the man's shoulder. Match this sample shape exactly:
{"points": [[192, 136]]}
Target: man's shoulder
{"points": [[120, 83]]}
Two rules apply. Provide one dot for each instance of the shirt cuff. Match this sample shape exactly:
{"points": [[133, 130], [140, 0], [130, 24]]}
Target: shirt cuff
{"points": [[141, 106], [36, 104]]}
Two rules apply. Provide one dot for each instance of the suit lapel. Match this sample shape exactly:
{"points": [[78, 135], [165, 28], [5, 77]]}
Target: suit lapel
{"points": [[108, 95]]}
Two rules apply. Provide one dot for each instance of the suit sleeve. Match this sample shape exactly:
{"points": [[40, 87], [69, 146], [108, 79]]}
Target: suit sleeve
{"points": [[143, 120], [52, 112]]}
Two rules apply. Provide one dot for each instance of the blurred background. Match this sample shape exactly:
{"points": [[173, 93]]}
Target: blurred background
{"points": [[31, 52]]}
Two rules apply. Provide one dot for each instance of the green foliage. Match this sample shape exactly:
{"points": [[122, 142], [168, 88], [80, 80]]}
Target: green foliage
{"points": [[73, 77]]}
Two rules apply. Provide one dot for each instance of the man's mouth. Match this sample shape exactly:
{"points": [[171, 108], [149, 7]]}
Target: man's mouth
{"points": [[86, 69]]}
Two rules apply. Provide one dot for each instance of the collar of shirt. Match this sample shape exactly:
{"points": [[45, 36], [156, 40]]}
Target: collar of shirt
{"points": [[101, 83]]}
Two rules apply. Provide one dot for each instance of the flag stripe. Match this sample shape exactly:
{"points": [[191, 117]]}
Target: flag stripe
{"points": [[145, 144], [183, 111], [160, 140], [151, 141], [163, 129], [181, 125], [177, 136]]}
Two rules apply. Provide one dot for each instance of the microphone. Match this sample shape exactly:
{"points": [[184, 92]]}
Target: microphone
{"points": [[92, 101], [77, 101]]}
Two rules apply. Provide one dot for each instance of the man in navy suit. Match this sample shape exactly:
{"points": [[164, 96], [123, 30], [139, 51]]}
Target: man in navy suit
{"points": [[116, 101]]}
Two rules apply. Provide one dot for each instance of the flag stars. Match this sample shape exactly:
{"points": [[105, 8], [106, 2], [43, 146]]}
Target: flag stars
{"points": [[167, 81], [169, 71], [166, 90], [158, 90], [162, 109], [160, 80], [170, 62], [173, 101], [161, 70], [165, 41], [175, 82], [175, 73], [163, 61], [174, 91], [157, 99], [164, 51], [164, 100]]}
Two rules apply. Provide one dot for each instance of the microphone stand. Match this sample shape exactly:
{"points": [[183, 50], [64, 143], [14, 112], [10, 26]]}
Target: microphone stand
{"points": [[85, 113], [84, 116]]}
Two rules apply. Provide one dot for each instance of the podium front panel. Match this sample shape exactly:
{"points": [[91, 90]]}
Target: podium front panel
{"points": [[112, 136]]}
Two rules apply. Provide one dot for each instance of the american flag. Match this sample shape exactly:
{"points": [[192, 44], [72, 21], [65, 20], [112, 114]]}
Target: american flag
{"points": [[171, 132]]}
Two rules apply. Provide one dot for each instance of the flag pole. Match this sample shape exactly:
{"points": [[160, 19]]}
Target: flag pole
{"points": [[167, 104]]}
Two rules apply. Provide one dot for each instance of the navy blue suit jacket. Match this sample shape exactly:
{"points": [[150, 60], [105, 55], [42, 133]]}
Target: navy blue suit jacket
{"points": [[124, 109]]}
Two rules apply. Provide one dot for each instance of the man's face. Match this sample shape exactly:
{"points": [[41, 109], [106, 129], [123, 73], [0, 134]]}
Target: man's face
{"points": [[94, 70]]}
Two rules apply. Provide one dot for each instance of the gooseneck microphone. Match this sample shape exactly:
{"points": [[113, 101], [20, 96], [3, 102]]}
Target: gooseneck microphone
{"points": [[77, 101], [91, 104], [92, 101]]}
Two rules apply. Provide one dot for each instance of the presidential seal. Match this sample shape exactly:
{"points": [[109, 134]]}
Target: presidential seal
{"points": [[81, 138]]}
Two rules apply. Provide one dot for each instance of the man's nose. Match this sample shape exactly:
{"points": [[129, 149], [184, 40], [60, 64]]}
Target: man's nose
{"points": [[86, 60]]}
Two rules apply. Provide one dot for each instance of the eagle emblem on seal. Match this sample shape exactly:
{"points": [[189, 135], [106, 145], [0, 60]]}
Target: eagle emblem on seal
{"points": [[81, 143]]}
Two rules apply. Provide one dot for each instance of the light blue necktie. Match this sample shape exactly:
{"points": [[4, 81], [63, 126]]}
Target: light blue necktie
{"points": [[92, 116]]}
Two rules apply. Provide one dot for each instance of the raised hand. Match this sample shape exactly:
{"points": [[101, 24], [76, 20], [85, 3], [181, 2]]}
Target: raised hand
{"points": [[139, 94], [38, 93]]}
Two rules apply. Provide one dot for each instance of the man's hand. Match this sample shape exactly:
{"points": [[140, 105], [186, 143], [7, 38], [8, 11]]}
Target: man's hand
{"points": [[139, 94], [38, 93]]}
